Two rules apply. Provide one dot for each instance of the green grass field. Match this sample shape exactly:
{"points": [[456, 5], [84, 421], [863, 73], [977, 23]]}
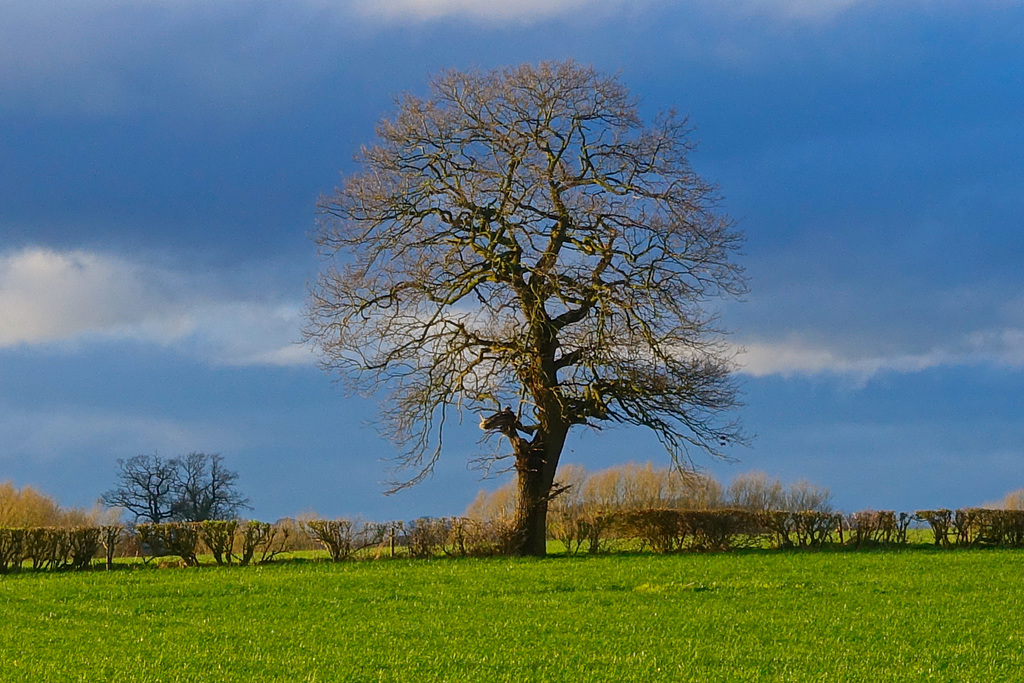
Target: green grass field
{"points": [[917, 615]]}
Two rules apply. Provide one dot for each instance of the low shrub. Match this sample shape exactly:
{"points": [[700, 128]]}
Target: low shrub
{"points": [[170, 538], [48, 547], [577, 526], [456, 537], [719, 530], [987, 527], [670, 530], [219, 538], [111, 536], [262, 539], [12, 544], [344, 537], [85, 543], [878, 527], [801, 528], [940, 521]]}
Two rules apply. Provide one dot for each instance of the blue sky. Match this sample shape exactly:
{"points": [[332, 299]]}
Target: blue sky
{"points": [[160, 163]]}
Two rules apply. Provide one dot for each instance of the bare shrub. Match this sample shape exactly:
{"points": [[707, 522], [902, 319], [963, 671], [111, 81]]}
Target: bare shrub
{"points": [[567, 525], [720, 530], [497, 504], [862, 526], [110, 536], [343, 537], [262, 540], [778, 525], [50, 547], [46, 547], [814, 528], [1008, 527], [493, 537], [294, 533], [12, 547], [941, 522], [755, 491], [661, 531], [578, 526], [335, 535], [903, 522], [427, 536], [582, 511], [219, 538], [878, 527], [1014, 500], [27, 507], [170, 538], [799, 529], [989, 527], [965, 524], [85, 543]]}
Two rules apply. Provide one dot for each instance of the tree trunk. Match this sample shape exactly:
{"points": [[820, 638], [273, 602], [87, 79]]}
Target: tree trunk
{"points": [[536, 463], [530, 523]]}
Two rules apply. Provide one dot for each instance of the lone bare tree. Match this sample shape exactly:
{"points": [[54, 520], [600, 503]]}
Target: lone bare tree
{"points": [[522, 238], [191, 488]]}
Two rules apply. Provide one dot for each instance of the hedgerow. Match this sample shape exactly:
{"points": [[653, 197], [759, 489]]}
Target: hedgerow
{"points": [[658, 530]]}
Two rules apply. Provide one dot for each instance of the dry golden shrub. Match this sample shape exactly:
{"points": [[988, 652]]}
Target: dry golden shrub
{"points": [[29, 507]]}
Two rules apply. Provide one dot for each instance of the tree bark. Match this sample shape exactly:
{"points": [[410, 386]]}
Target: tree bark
{"points": [[530, 523], [536, 463]]}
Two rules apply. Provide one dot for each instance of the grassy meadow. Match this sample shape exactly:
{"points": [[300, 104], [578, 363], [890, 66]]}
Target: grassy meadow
{"points": [[913, 615]]}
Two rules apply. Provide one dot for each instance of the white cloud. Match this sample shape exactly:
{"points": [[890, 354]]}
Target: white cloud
{"points": [[48, 296], [525, 10], [70, 298], [74, 297], [801, 9], [795, 357], [481, 9]]}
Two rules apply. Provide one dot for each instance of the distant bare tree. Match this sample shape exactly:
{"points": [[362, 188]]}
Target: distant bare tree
{"points": [[206, 489], [521, 238], [146, 488], [191, 488], [755, 491], [1012, 501]]}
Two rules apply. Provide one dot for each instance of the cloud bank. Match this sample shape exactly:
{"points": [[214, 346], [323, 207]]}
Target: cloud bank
{"points": [[529, 10], [102, 58], [65, 298], [405, 10], [794, 357]]}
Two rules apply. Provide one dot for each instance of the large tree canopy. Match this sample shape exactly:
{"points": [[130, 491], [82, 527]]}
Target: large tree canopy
{"points": [[521, 237]]}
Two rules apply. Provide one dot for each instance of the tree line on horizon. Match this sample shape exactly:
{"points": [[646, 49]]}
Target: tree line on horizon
{"points": [[629, 485], [630, 505]]}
